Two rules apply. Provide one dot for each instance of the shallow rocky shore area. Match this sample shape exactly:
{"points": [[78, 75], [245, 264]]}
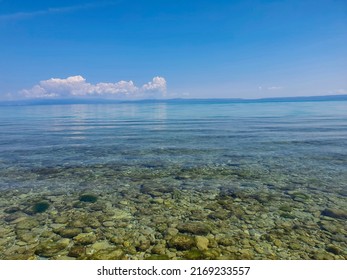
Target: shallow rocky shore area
{"points": [[103, 214]]}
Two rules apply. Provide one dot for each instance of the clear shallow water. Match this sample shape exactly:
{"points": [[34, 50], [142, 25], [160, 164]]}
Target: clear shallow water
{"points": [[255, 180]]}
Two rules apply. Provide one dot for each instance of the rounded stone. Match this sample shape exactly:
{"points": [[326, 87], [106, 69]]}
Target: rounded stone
{"points": [[27, 223], [77, 251], [108, 224], [68, 232], [101, 245], [158, 249], [182, 242], [108, 254], [50, 248], [85, 238], [172, 231], [334, 249], [197, 228], [220, 214], [193, 254], [201, 242]]}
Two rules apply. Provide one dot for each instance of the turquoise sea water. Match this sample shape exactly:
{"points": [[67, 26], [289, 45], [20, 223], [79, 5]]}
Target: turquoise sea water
{"points": [[174, 180]]}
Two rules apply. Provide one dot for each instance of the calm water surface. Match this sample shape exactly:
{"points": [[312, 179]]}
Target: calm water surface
{"points": [[174, 180]]}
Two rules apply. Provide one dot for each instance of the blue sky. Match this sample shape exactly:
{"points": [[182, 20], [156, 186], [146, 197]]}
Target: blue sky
{"points": [[172, 48]]}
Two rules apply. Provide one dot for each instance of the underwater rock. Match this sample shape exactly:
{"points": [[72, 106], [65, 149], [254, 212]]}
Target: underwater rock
{"points": [[92, 222], [156, 190], [157, 200], [259, 249], [158, 249], [27, 236], [91, 198], [298, 196], [77, 251], [262, 197], [201, 242], [144, 245], [182, 242], [85, 238], [172, 231], [246, 254], [14, 216], [61, 219], [328, 226], [68, 232], [295, 245], [22, 256], [196, 228], [225, 241], [40, 207], [323, 256], [101, 245], [335, 213], [158, 257], [277, 242], [121, 215], [339, 238], [108, 224], [211, 254], [50, 248], [197, 215], [334, 249], [97, 207], [287, 215], [108, 254], [12, 209], [213, 206], [285, 208], [27, 223], [219, 214], [193, 254]]}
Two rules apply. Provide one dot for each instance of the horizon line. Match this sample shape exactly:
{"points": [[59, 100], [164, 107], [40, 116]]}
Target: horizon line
{"points": [[71, 101]]}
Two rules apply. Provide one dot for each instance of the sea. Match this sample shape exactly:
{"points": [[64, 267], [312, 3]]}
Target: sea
{"points": [[174, 179]]}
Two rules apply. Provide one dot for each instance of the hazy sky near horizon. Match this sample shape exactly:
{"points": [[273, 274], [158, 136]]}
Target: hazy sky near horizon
{"points": [[172, 48]]}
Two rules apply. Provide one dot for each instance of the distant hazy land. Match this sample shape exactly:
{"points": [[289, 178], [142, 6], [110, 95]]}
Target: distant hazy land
{"points": [[340, 97]]}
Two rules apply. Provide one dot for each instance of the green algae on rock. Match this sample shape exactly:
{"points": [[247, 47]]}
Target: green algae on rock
{"points": [[40, 207], [194, 254], [85, 238], [111, 253], [182, 242], [50, 248], [335, 213], [68, 232], [197, 228], [156, 257], [91, 198]]}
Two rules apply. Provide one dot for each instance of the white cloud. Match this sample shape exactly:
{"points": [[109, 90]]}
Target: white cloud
{"points": [[274, 88], [75, 85], [78, 86], [48, 11], [157, 84], [114, 88]]}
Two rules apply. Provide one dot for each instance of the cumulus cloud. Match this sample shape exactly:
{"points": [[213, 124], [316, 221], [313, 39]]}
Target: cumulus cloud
{"points": [[77, 86], [157, 84]]}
